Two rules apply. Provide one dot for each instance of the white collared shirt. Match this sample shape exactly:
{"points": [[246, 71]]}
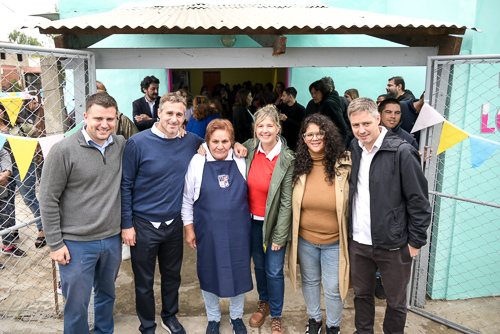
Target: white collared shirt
{"points": [[89, 141], [274, 152], [361, 219], [151, 106], [193, 179], [160, 134]]}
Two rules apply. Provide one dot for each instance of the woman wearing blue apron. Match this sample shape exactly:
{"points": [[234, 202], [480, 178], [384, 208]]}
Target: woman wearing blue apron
{"points": [[217, 222]]}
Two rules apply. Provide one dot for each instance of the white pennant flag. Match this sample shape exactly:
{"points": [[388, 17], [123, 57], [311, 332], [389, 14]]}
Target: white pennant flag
{"points": [[46, 143], [428, 116]]}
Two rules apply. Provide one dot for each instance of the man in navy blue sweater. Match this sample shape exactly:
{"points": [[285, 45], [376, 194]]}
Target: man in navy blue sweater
{"points": [[154, 164]]}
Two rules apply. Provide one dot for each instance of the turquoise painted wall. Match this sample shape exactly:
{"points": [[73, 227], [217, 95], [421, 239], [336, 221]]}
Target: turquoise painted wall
{"points": [[464, 252], [125, 85], [463, 264]]}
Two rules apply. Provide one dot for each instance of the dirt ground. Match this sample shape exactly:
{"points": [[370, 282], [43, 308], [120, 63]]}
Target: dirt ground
{"points": [[192, 310], [27, 300]]}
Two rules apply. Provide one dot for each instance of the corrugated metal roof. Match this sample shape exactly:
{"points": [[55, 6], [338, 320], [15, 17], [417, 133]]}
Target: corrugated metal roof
{"points": [[242, 18]]}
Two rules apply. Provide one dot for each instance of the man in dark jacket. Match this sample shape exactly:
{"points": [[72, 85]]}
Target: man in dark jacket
{"points": [[389, 216], [409, 113], [396, 89], [329, 105], [344, 103], [390, 117], [145, 109], [291, 116]]}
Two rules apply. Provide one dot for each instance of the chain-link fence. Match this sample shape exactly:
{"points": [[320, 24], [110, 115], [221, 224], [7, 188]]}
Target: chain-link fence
{"points": [[456, 279], [42, 98]]}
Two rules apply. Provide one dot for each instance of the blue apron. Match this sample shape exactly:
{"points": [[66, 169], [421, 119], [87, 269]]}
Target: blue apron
{"points": [[222, 226]]}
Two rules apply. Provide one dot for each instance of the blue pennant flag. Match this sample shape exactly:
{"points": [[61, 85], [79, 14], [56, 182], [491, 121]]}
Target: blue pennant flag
{"points": [[2, 141], [481, 150]]}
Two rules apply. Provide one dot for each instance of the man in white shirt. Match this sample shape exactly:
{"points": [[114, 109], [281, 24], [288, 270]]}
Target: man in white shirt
{"points": [[390, 214]]}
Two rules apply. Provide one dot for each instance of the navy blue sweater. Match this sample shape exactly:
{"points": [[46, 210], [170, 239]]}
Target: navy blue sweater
{"points": [[153, 176]]}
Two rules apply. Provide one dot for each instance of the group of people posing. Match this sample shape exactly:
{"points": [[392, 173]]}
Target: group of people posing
{"points": [[238, 195]]}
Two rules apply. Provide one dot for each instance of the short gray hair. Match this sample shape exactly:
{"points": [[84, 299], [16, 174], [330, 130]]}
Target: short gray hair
{"points": [[172, 98], [329, 82], [362, 104]]}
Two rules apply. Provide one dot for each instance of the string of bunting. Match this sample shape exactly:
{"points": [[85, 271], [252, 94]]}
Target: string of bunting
{"points": [[23, 148], [481, 149]]}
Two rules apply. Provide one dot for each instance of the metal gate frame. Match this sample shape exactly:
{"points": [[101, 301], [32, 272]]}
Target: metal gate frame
{"points": [[436, 82], [82, 83], [81, 62]]}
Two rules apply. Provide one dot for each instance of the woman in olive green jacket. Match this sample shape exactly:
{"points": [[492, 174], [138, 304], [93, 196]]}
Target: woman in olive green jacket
{"points": [[270, 165]]}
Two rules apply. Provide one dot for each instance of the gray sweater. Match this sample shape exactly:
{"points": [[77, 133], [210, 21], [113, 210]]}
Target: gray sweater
{"points": [[80, 191]]}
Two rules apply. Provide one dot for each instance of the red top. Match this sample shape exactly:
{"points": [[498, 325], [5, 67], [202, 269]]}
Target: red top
{"points": [[259, 179]]}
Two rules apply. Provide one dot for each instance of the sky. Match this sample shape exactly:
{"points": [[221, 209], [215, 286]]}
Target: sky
{"points": [[16, 13]]}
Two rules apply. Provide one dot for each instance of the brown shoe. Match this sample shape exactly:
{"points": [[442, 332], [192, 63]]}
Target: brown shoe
{"points": [[259, 316], [276, 326]]}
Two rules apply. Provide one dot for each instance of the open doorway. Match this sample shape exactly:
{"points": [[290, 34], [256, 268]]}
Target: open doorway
{"points": [[223, 83], [231, 76]]}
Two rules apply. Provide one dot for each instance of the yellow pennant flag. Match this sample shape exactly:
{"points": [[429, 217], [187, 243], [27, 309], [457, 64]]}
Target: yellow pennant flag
{"points": [[450, 136], [13, 106], [23, 150]]}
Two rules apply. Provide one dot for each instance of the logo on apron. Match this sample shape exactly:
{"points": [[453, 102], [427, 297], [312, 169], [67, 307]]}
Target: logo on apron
{"points": [[223, 181]]}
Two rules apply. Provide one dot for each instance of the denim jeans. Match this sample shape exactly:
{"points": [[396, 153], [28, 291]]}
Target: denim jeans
{"points": [[27, 189], [268, 271], [236, 305], [92, 263], [320, 264]]}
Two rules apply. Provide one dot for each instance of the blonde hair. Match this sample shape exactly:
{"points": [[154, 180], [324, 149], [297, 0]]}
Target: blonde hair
{"points": [[353, 93], [362, 104], [263, 113]]}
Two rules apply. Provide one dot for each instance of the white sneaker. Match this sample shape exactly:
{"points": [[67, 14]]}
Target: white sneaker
{"points": [[125, 252]]}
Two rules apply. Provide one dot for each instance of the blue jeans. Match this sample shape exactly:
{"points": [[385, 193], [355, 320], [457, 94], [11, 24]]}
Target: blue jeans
{"points": [[92, 263], [236, 305], [27, 189], [320, 264], [268, 271]]}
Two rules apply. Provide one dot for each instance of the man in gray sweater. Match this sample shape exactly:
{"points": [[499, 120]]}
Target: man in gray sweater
{"points": [[81, 214]]}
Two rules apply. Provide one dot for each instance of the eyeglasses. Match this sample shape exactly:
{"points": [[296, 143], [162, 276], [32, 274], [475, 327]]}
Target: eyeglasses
{"points": [[310, 135]]}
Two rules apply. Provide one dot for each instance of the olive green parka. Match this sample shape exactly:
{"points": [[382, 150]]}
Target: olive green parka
{"points": [[278, 217]]}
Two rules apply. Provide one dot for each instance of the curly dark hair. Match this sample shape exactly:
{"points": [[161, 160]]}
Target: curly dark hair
{"points": [[334, 148], [148, 81]]}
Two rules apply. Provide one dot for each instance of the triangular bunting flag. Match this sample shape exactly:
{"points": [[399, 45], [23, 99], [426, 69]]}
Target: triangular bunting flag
{"points": [[13, 106], [47, 143], [76, 128], [23, 150], [481, 150], [428, 116], [2, 140], [450, 136]]}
